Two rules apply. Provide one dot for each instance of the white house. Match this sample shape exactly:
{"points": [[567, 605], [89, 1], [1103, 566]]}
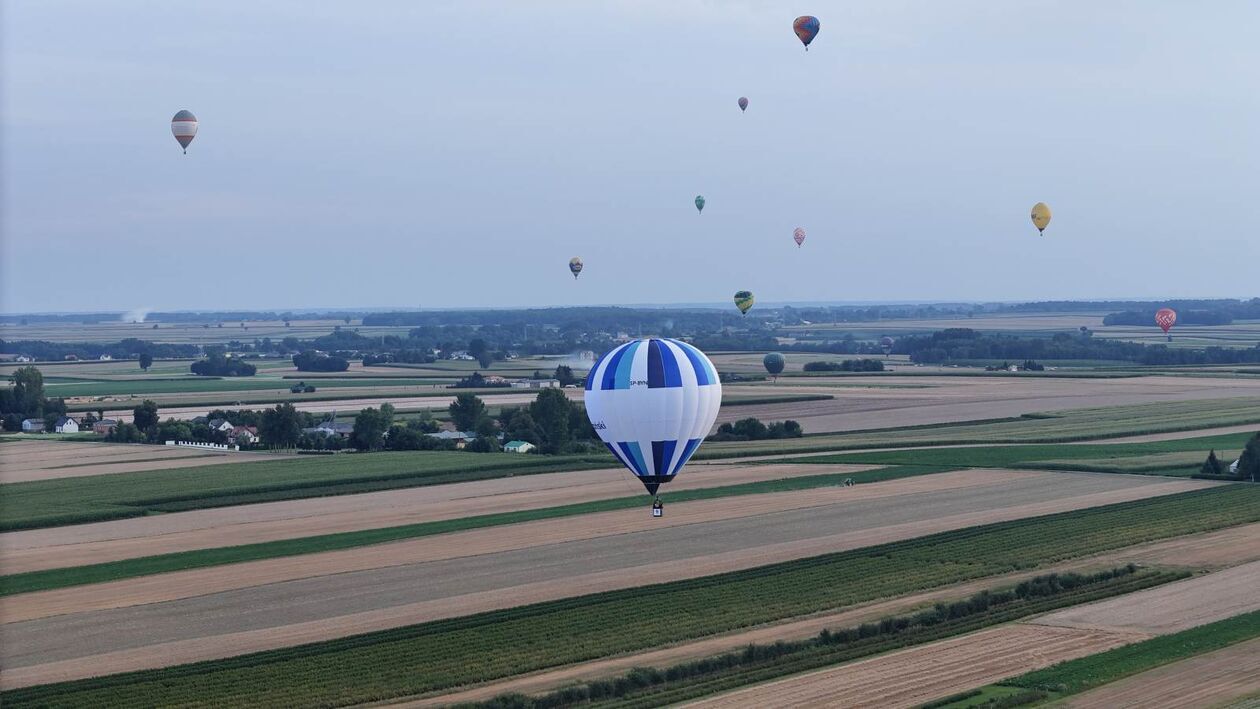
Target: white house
{"points": [[220, 425], [536, 384], [1233, 467], [105, 358], [24, 358], [518, 447], [65, 424], [33, 426]]}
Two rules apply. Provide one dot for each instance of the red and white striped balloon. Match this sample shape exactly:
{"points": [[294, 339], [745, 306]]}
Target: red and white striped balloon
{"points": [[798, 236], [184, 128]]}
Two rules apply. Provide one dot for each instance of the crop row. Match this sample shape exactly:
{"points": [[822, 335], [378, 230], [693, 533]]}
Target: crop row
{"points": [[449, 653]]}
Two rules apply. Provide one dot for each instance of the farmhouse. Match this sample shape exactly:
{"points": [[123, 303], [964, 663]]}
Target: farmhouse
{"points": [[243, 435], [105, 427], [518, 447], [329, 428], [24, 358], [105, 358], [33, 426], [65, 424], [222, 425]]}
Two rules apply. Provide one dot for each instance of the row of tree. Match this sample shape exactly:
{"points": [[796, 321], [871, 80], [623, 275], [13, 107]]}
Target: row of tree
{"points": [[25, 399], [848, 365], [965, 344]]}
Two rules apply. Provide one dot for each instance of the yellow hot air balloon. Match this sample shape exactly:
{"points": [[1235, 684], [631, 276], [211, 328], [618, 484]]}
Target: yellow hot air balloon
{"points": [[744, 301], [1041, 216]]}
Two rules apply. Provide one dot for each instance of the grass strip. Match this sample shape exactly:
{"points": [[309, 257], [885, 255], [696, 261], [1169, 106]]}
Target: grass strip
{"points": [[652, 687], [202, 558], [96, 498], [443, 654], [1041, 457]]}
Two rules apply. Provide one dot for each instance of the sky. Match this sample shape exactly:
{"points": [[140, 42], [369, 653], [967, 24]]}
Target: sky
{"points": [[457, 154]]}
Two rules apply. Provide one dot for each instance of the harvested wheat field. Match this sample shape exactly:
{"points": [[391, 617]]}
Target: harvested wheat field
{"points": [[423, 579], [953, 399], [920, 674], [1226, 547], [75, 545], [1171, 608], [26, 460], [1213, 679]]}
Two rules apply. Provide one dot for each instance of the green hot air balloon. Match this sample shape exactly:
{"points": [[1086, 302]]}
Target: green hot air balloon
{"points": [[744, 301], [773, 362], [700, 203]]}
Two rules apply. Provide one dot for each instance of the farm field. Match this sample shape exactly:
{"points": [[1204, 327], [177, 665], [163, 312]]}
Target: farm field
{"points": [[1213, 679], [391, 595], [35, 459]]}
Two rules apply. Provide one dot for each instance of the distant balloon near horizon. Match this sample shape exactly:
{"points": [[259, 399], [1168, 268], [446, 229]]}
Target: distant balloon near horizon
{"points": [[886, 344], [774, 363], [184, 128], [798, 235], [652, 402], [575, 266], [806, 28], [700, 203], [744, 301], [1166, 318], [1041, 217], [743, 103]]}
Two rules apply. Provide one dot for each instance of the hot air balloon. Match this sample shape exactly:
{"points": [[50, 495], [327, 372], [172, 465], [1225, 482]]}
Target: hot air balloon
{"points": [[1040, 217], [806, 29], [743, 104], [652, 401], [575, 265], [1166, 318], [886, 344], [798, 235], [184, 127], [773, 362], [744, 301], [700, 203]]}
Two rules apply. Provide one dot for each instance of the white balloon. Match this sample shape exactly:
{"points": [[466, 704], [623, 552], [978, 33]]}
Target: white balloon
{"points": [[652, 402]]}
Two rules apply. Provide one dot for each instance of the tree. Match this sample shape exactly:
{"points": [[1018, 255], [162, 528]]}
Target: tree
{"points": [[486, 427], [312, 361], [482, 444], [146, 361], [551, 412], [564, 374], [172, 430], [27, 395], [145, 416], [521, 427], [478, 348], [1211, 466], [466, 411], [280, 427], [1249, 463], [370, 427], [125, 433]]}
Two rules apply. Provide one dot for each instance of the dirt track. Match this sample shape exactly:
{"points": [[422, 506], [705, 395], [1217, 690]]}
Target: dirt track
{"points": [[911, 677], [1203, 681], [160, 633], [33, 459], [145, 536]]}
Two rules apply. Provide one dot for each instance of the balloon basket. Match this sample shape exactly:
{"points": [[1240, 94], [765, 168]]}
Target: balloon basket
{"points": [[658, 512]]}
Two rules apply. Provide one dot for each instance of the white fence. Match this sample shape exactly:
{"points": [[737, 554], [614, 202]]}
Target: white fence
{"points": [[207, 446]]}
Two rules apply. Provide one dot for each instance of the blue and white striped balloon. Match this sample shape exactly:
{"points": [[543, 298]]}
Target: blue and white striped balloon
{"points": [[652, 402]]}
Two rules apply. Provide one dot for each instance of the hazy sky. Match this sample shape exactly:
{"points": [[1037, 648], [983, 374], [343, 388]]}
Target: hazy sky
{"points": [[457, 154]]}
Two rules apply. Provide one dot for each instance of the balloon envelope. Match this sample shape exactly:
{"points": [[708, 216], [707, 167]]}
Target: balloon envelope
{"points": [[773, 362], [743, 104], [1040, 216], [1165, 318], [652, 401], [575, 265], [806, 29], [699, 203], [744, 301], [798, 235], [184, 128]]}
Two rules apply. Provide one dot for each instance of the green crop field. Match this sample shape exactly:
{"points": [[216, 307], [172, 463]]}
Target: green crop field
{"points": [[47, 503], [450, 653], [1181, 456], [201, 558], [191, 384], [1056, 427]]}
